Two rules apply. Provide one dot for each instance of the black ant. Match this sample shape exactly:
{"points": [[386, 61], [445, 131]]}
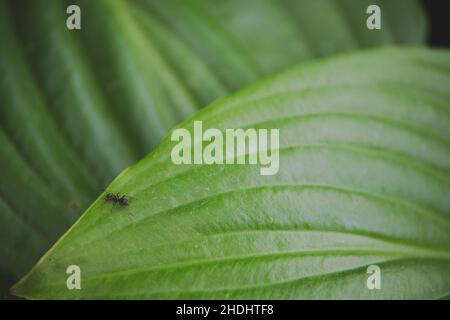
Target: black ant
{"points": [[116, 198]]}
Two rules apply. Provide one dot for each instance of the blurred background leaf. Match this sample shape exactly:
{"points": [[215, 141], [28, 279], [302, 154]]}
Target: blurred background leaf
{"points": [[77, 107]]}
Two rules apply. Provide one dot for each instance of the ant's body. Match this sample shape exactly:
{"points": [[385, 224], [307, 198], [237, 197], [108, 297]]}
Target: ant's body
{"points": [[116, 198]]}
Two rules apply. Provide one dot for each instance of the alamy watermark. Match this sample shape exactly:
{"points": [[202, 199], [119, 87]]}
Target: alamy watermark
{"points": [[234, 146], [374, 280], [374, 20], [74, 279], [73, 21]]}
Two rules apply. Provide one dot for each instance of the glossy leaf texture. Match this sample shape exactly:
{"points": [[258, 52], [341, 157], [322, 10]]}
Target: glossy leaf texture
{"points": [[364, 180], [79, 106]]}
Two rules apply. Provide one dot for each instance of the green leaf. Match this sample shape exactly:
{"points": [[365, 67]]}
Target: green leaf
{"points": [[243, 40], [23, 115], [144, 90], [79, 106], [74, 98], [364, 179]]}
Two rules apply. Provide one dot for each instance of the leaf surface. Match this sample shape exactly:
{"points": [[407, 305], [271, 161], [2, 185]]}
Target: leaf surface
{"points": [[364, 179]]}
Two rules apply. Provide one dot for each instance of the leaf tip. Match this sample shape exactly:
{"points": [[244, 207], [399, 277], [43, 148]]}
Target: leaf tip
{"points": [[13, 290]]}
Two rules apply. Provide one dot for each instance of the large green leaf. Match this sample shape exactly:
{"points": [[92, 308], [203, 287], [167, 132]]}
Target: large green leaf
{"points": [[364, 179], [77, 107]]}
